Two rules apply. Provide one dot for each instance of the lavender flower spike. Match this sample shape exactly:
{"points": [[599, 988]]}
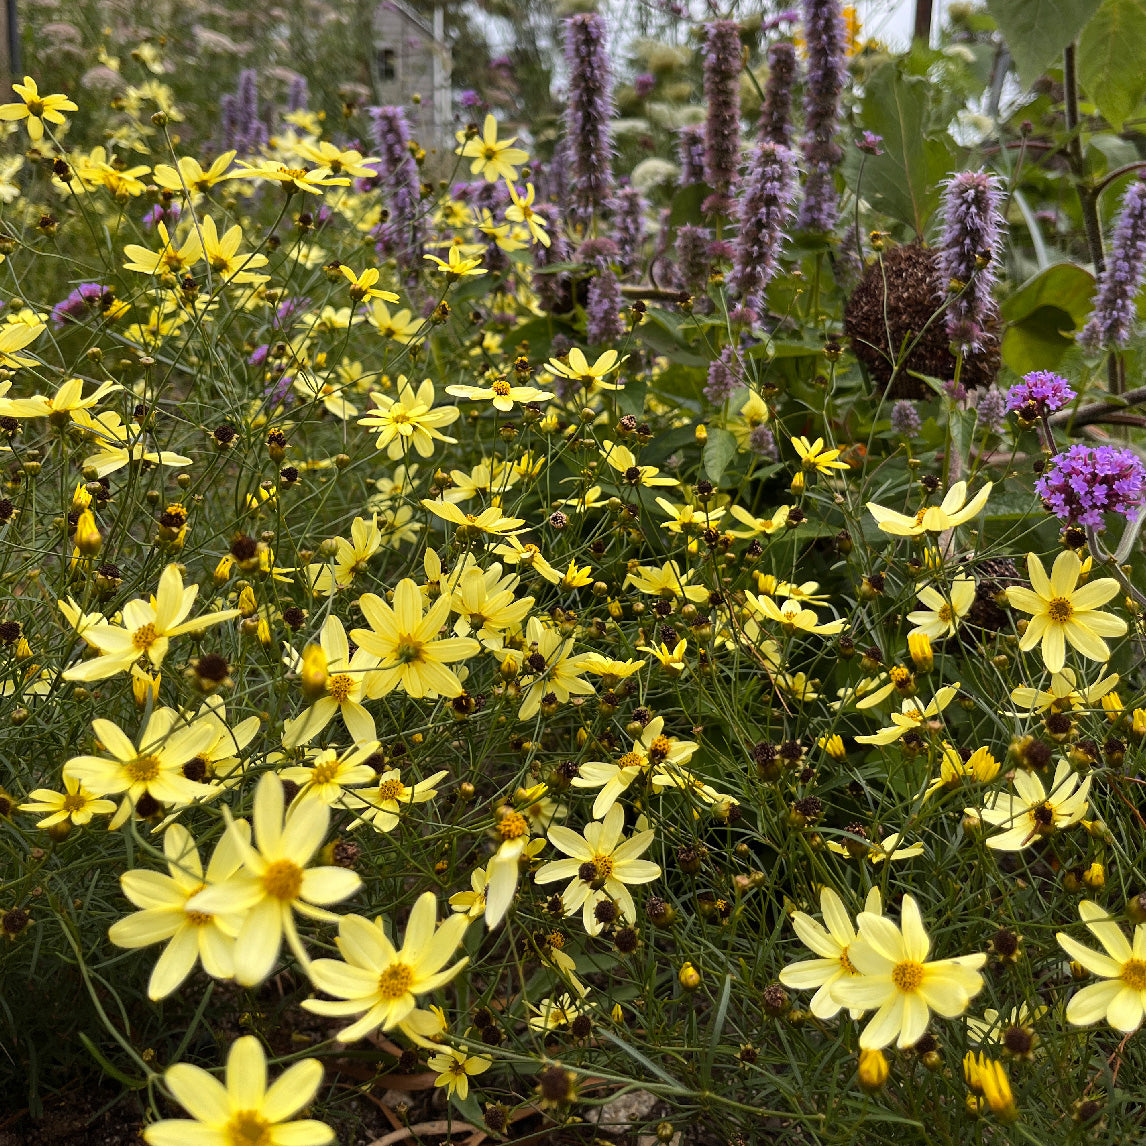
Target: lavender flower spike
{"points": [[690, 154], [764, 210], [722, 65], [969, 255], [826, 37], [775, 122], [589, 112], [1112, 319]]}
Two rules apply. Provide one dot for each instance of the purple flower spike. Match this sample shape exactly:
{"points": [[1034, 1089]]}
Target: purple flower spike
{"points": [[589, 113], [690, 153], [722, 65], [1112, 319], [776, 116], [1085, 483], [826, 37]]}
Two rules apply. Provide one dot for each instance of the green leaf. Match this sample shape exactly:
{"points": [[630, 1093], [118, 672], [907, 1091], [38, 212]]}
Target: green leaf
{"points": [[1043, 316], [903, 182], [1037, 31], [685, 206], [719, 450], [1110, 55]]}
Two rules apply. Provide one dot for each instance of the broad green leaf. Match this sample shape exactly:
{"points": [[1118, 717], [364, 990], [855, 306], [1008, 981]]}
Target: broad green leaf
{"points": [[1043, 316], [904, 182], [1037, 31], [1110, 56], [719, 450]]}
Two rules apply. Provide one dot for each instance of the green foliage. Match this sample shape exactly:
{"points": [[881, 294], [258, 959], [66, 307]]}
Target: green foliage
{"points": [[1037, 31]]}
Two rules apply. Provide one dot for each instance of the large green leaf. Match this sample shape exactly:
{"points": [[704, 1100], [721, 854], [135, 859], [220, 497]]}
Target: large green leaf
{"points": [[903, 182], [1037, 31], [719, 451], [1110, 56], [1043, 316]]}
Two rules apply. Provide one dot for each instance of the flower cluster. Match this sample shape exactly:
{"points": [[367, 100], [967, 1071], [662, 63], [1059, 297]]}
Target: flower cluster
{"points": [[1041, 392], [1085, 483]]}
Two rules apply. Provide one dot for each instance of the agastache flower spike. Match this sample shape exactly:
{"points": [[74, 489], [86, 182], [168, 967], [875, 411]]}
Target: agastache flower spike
{"points": [[589, 113], [826, 37], [722, 65], [403, 235], [775, 123], [690, 154], [969, 255], [629, 227], [1112, 319]]}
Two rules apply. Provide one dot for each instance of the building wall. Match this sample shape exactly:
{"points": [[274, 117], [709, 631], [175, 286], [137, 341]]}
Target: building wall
{"points": [[403, 64]]}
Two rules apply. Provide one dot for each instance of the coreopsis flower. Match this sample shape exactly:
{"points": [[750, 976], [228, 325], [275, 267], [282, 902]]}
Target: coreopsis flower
{"points": [[554, 668], [756, 526], [1064, 612], [486, 606], [494, 159], [378, 982], [154, 768], [1121, 997], [410, 654], [942, 615], [456, 265], [666, 582], [74, 805], [472, 902], [190, 177], [36, 109], [830, 942], [953, 510], [401, 326], [169, 259], [455, 1069], [337, 160], [362, 285], [59, 407], [121, 445], [815, 456], [221, 253], [513, 551], [555, 1013], [1032, 813], [348, 681], [1085, 483], [522, 212], [651, 750], [220, 757], [291, 179], [490, 521], [245, 1112], [146, 630], [898, 981], [501, 393], [886, 850], [911, 716], [1112, 321], [381, 804], [14, 336], [624, 462], [671, 660], [980, 766], [1063, 694], [792, 617], [1011, 1033], [276, 880], [689, 519], [349, 560], [330, 772], [190, 935], [409, 420], [576, 368], [600, 866], [512, 831]]}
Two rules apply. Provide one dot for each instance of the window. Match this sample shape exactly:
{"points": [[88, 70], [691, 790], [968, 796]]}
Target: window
{"points": [[387, 65]]}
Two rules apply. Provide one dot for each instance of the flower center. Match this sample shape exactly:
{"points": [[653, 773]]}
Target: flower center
{"points": [[512, 826], [395, 981], [1134, 974], [900, 676], [143, 769], [325, 772], [391, 790], [944, 613], [846, 963], [1043, 817], [659, 749], [907, 976], [501, 388], [248, 1128], [631, 760], [1059, 610], [283, 880], [400, 418], [74, 803], [144, 637], [604, 866], [340, 686], [409, 650]]}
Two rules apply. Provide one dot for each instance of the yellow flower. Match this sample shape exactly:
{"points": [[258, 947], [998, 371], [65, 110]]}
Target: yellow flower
{"points": [[338, 162], [381, 804], [14, 337], [942, 616], [376, 981], [222, 255], [980, 766], [896, 978], [276, 880], [486, 606], [1064, 612], [292, 178], [666, 582], [329, 772], [362, 286], [1063, 694], [493, 159], [400, 326], [188, 175], [522, 212], [472, 902], [555, 669], [245, 1112], [952, 511], [1032, 813], [911, 716], [792, 616], [687, 519], [456, 1068], [491, 520], [147, 629], [671, 660], [409, 420], [500, 393], [75, 804], [349, 560], [190, 936], [576, 368], [623, 461], [1121, 998], [60, 406], [169, 259], [987, 1077], [757, 525], [813, 456], [410, 655], [36, 108], [457, 266]]}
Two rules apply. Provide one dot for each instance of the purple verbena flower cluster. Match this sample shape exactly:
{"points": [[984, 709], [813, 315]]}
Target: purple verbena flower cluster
{"points": [[968, 256], [826, 36], [1040, 392], [86, 297], [589, 113], [775, 123], [1086, 482], [1112, 319], [764, 210], [722, 66]]}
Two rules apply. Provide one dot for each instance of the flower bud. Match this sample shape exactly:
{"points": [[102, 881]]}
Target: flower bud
{"points": [[689, 977], [873, 1069], [312, 674], [88, 539]]}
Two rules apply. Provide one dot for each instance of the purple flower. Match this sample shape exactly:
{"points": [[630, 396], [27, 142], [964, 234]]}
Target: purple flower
{"points": [[775, 123], [629, 227], [241, 126], [905, 419], [826, 37], [168, 214], [722, 65], [403, 235], [279, 392], [603, 309], [554, 290], [692, 258], [298, 98], [1085, 483], [690, 154], [588, 114], [644, 84], [469, 99], [968, 256], [991, 409], [86, 297], [1112, 319], [762, 441], [870, 143], [724, 378], [763, 212], [1040, 392]]}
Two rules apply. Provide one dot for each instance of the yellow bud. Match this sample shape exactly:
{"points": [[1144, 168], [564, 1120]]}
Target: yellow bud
{"points": [[248, 606], [1095, 876], [873, 1069], [702, 433], [88, 539], [919, 646], [224, 569], [312, 674], [144, 687], [264, 632], [689, 977], [797, 486], [81, 499], [617, 1014]]}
